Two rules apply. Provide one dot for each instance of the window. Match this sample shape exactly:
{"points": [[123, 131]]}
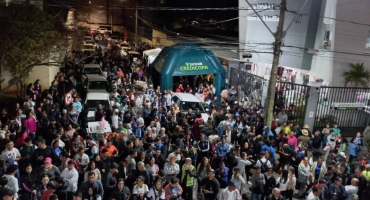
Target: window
{"points": [[93, 104], [368, 43], [97, 85], [192, 105], [327, 40]]}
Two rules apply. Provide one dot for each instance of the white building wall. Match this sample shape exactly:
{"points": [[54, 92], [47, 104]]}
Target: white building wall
{"points": [[350, 37]]}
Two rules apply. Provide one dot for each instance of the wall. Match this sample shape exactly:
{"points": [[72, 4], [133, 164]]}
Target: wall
{"points": [[159, 39], [350, 37], [302, 32]]}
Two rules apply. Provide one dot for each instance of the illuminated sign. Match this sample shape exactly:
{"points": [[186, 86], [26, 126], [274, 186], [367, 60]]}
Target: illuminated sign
{"points": [[193, 67]]}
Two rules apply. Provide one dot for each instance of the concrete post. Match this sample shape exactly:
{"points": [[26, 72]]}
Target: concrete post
{"points": [[311, 106]]}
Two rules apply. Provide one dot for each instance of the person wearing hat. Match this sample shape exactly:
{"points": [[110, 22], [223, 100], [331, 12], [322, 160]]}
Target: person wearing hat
{"points": [[230, 192], [304, 139], [50, 189], [337, 190]]}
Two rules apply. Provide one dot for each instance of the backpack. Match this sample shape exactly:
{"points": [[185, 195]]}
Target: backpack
{"points": [[263, 166], [200, 123]]}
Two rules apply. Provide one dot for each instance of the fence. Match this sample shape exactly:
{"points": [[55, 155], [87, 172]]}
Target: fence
{"points": [[349, 120], [292, 97]]}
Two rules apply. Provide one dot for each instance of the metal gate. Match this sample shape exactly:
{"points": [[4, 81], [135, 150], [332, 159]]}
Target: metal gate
{"points": [[349, 121], [292, 97]]}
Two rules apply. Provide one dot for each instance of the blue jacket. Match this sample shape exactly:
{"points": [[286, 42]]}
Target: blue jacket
{"points": [[96, 185], [342, 194], [226, 175], [272, 151], [222, 149], [267, 132], [352, 147]]}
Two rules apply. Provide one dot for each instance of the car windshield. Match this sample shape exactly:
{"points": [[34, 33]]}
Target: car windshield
{"points": [[92, 71], [192, 105], [88, 47], [98, 85], [93, 104]]}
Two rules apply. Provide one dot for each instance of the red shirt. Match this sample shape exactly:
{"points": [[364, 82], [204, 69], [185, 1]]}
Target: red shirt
{"points": [[45, 195]]}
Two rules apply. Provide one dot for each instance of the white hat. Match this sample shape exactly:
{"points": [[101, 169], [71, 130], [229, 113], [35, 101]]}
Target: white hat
{"points": [[342, 154], [116, 110]]}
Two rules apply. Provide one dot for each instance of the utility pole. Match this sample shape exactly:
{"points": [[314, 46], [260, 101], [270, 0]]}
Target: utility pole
{"points": [[279, 35], [136, 16]]}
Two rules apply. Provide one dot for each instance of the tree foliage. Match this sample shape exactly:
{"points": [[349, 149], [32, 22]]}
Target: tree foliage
{"points": [[29, 37], [357, 75]]}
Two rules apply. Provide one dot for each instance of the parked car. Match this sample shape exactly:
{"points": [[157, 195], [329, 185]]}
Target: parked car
{"points": [[93, 100], [103, 30], [88, 49], [188, 101]]}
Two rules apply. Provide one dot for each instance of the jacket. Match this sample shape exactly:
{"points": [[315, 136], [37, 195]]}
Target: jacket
{"points": [[322, 171], [120, 195], [96, 186], [302, 172], [61, 191], [271, 197], [225, 194], [188, 174], [222, 149], [71, 177], [342, 194]]}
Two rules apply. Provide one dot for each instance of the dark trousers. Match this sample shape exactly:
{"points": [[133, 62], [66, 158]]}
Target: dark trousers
{"points": [[70, 195], [289, 194], [187, 193]]}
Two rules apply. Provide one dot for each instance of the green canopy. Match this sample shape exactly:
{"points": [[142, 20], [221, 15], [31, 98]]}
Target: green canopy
{"points": [[188, 59]]}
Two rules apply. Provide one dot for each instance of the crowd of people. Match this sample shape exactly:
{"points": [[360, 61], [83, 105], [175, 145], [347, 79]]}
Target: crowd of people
{"points": [[158, 151]]}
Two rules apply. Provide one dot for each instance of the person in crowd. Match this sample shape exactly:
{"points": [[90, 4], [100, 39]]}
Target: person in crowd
{"points": [[188, 172], [231, 192], [94, 185], [70, 175], [276, 195], [210, 186], [258, 181], [304, 173]]}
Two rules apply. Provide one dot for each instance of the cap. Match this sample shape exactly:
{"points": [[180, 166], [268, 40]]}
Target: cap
{"points": [[48, 160], [231, 183], [338, 178], [51, 186], [322, 180], [116, 110], [342, 154], [212, 170]]}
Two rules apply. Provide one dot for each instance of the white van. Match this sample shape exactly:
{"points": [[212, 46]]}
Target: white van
{"points": [[188, 101], [135, 55], [93, 99], [92, 69]]}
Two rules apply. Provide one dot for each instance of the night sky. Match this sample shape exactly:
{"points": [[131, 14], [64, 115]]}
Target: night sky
{"points": [[217, 15]]}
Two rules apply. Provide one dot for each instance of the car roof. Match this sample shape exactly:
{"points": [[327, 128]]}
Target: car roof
{"points": [[133, 52], [97, 96], [91, 66], [186, 97], [94, 77]]}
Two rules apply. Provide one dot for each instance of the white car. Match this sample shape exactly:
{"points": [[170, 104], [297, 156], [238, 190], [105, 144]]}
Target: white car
{"points": [[92, 69], [88, 48], [87, 38], [96, 84], [135, 55], [188, 101], [90, 42], [103, 30], [93, 100]]}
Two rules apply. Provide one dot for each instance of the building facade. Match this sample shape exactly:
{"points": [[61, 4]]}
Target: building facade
{"points": [[322, 40]]}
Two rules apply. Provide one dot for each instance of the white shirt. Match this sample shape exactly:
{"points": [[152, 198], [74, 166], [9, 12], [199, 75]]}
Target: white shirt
{"points": [[153, 194], [282, 185], [311, 196], [82, 160], [5, 155], [140, 190], [71, 177], [351, 190]]}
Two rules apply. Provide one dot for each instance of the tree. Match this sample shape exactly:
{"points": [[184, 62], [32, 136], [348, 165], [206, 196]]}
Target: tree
{"points": [[357, 75], [29, 37]]}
